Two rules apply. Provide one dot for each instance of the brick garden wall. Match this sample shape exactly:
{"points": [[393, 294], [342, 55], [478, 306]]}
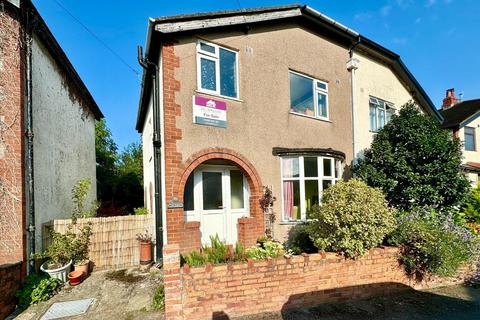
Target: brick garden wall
{"points": [[12, 224], [279, 284], [10, 280]]}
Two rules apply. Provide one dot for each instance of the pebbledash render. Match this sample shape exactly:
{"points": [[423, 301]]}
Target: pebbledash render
{"points": [[234, 101]]}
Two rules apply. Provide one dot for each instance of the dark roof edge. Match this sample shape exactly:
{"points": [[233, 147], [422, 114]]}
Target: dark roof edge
{"points": [[278, 151], [47, 38]]}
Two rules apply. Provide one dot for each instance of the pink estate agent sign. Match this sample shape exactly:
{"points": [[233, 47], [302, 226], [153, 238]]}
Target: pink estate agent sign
{"points": [[209, 112]]}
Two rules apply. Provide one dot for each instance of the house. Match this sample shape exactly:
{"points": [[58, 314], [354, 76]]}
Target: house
{"points": [[47, 130], [463, 118], [233, 101]]}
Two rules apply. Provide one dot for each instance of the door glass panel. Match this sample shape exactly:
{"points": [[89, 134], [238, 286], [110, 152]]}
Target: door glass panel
{"points": [[327, 167], [311, 195], [291, 198], [188, 202], [311, 168], [236, 189], [212, 190]]}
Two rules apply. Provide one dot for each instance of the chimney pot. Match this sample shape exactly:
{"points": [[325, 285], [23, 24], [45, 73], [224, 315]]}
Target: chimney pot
{"points": [[450, 99]]}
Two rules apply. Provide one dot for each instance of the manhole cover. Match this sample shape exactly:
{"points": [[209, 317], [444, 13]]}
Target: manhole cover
{"points": [[67, 309]]}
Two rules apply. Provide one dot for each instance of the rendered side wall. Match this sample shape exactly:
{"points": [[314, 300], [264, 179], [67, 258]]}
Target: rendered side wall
{"points": [[64, 140], [212, 292]]}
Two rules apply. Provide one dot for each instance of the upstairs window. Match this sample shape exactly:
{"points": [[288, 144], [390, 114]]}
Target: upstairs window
{"points": [[380, 113], [469, 137], [303, 180], [217, 70], [308, 96]]}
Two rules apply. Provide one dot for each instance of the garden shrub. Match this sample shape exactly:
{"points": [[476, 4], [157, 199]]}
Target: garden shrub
{"points": [[140, 211], [264, 250], [433, 243], [35, 289], [158, 301], [471, 208], [353, 218], [299, 240], [415, 162]]}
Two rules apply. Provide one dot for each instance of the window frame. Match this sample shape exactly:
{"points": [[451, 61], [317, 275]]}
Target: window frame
{"points": [[473, 135], [301, 178], [379, 104], [316, 90], [215, 57]]}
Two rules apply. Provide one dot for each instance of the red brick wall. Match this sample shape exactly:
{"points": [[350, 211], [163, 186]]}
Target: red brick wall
{"points": [[177, 169], [10, 280], [278, 284], [12, 223]]}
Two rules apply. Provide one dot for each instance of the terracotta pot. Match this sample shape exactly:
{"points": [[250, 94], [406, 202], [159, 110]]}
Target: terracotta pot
{"points": [[83, 267], [145, 252], [75, 277]]}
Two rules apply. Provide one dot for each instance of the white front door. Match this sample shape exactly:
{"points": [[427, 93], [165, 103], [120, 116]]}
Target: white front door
{"points": [[220, 196]]}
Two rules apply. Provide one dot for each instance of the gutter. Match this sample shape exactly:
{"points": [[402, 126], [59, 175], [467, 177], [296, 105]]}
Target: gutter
{"points": [[152, 70], [28, 125]]}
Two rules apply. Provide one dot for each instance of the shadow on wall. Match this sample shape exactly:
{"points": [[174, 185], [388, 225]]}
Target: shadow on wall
{"points": [[391, 301]]}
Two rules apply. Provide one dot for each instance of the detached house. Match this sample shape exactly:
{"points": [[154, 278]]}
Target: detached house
{"points": [[47, 130], [233, 101], [463, 118]]}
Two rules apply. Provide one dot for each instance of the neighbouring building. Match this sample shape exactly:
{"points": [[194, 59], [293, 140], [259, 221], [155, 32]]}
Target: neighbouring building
{"points": [[463, 118], [47, 130], [233, 101]]}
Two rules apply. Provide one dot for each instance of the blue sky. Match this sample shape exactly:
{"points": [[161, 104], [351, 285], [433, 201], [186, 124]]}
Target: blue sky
{"points": [[437, 39]]}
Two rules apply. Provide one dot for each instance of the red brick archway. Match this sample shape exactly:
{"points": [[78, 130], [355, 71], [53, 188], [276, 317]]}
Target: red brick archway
{"points": [[187, 234]]}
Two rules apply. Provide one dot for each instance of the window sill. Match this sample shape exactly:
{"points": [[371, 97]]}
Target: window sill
{"points": [[217, 96], [310, 117]]}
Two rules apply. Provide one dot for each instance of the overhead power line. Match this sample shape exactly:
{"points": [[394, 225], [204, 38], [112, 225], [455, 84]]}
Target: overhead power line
{"points": [[97, 38]]}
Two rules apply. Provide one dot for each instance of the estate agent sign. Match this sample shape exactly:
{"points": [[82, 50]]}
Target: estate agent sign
{"points": [[209, 112]]}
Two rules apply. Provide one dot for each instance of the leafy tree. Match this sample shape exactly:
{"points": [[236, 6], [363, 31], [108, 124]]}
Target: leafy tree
{"points": [[130, 177], [415, 162], [106, 158]]}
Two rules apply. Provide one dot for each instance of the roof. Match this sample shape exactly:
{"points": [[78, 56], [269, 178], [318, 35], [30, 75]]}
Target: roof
{"points": [[461, 113], [172, 25], [42, 31], [472, 166]]}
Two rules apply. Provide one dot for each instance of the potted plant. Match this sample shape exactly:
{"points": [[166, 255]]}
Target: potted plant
{"points": [[59, 256], [80, 249], [145, 240]]}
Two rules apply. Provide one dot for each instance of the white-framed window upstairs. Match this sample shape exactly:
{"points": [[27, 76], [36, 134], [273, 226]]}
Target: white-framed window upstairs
{"points": [[308, 96], [303, 180], [217, 70], [380, 113]]}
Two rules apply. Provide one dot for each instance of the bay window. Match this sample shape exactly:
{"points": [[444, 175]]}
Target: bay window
{"points": [[380, 113], [308, 96], [217, 70], [303, 180]]}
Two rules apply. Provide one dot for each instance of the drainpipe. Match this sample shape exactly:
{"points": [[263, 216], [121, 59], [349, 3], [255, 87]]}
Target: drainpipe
{"points": [[28, 125], [352, 65], [157, 151]]}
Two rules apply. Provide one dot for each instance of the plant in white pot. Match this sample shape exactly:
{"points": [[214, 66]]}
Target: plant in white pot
{"points": [[59, 254]]}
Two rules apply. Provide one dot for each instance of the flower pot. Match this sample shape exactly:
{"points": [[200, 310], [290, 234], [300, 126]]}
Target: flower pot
{"points": [[145, 252], [75, 277], [59, 273], [83, 267]]}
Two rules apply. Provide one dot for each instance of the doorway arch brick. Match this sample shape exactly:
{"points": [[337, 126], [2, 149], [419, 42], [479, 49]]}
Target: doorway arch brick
{"points": [[187, 234]]}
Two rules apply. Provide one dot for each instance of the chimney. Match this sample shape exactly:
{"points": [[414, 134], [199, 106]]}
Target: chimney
{"points": [[450, 99]]}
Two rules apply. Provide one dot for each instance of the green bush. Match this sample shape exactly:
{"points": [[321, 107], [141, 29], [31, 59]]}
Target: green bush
{"points": [[264, 250], [415, 162], [471, 208], [299, 240], [158, 302], [35, 289], [140, 211], [432, 243], [353, 218], [80, 193]]}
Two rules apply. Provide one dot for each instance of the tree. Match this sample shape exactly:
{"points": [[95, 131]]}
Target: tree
{"points": [[106, 158], [130, 177], [415, 162]]}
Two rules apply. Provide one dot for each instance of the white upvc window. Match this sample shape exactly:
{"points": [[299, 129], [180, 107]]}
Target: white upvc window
{"points": [[217, 70], [380, 113], [308, 96], [303, 180]]}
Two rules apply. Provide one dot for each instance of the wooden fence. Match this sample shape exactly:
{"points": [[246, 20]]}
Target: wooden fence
{"points": [[113, 242]]}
